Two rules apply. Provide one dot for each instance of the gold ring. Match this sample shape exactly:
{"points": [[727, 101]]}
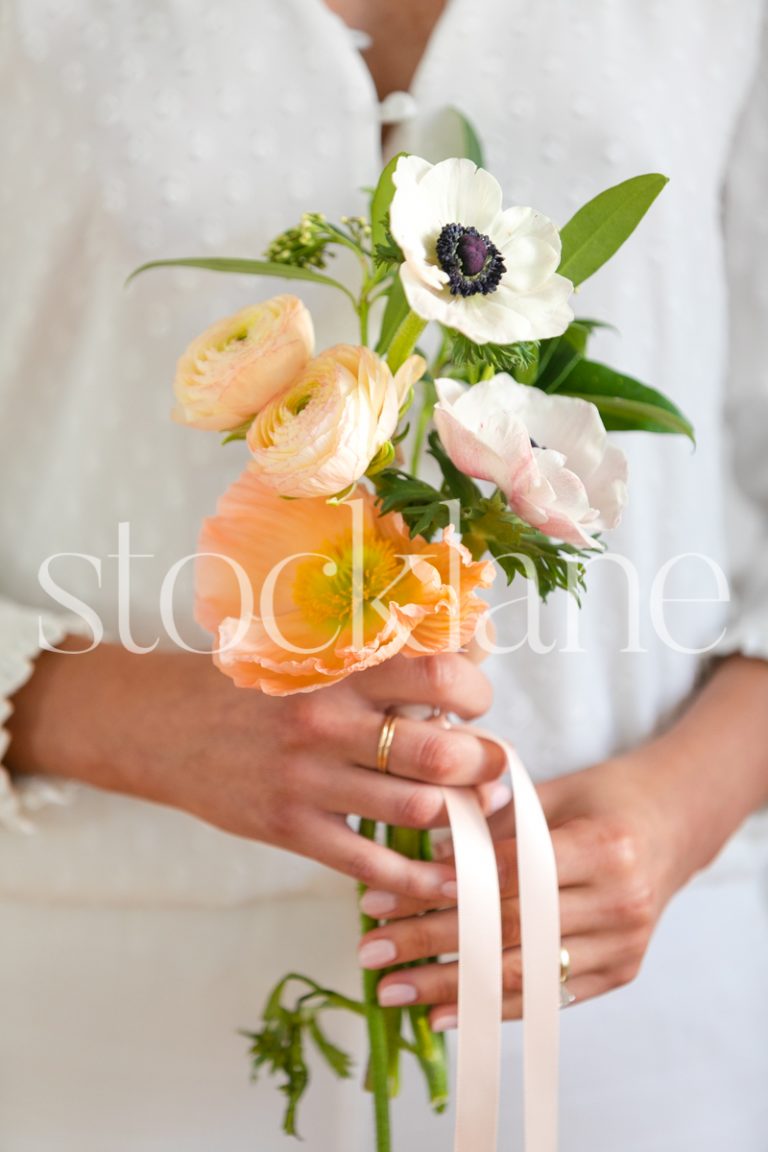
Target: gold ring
{"points": [[566, 997], [386, 736]]}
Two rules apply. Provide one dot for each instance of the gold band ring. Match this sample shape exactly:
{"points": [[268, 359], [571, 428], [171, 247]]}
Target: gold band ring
{"points": [[566, 997], [386, 736]]}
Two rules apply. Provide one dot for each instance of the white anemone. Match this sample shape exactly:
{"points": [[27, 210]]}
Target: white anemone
{"points": [[488, 272]]}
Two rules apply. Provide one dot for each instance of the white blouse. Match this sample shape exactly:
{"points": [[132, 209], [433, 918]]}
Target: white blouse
{"points": [[155, 129]]}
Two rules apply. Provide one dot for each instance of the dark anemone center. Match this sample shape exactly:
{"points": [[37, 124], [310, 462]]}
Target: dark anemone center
{"points": [[472, 261]]}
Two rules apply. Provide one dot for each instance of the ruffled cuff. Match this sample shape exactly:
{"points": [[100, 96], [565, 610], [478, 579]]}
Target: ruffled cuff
{"points": [[747, 630], [20, 629], [747, 637]]}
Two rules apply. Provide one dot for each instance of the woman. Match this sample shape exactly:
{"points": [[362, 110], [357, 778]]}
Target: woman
{"points": [[155, 935]]}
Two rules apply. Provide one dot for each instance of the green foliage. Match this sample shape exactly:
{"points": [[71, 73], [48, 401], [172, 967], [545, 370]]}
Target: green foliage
{"points": [[512, 358], [380, 202], [468, 144], [244, 268], [560, 355], [304, 246], [486, 523], [239, 433], [556, 565], [388, 255], [623, 403], [279, 1048], [599, 229], [423, 507], [523, 551], [395, 313], [382, 459]]}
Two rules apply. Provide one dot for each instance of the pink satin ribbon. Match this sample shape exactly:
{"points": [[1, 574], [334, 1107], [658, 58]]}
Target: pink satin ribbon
{"points": [[480, 993]]}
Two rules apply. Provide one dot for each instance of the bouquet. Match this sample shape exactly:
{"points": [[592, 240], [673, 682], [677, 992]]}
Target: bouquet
{"points": [[333, 551]]}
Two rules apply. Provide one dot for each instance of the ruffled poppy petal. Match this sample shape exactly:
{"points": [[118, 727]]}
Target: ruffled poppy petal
{"points": [[303, 632]]}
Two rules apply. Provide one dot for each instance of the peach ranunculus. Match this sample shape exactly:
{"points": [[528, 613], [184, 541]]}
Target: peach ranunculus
{"points": [[320, 435], [240, 363], [336, 588], [549, 455]]}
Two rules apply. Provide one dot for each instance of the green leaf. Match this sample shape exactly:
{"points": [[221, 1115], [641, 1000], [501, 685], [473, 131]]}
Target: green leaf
{"points": [[472, 149], [551, 563], [383, 459], [380, 202], [449, 133], [395, 312], [625, 404], [599, 229], [278, 1048], [553, 570], [245, 268], [563, 359], [562, 353], [387, 256], [338, 1060], [423, 508], [239, 433]]}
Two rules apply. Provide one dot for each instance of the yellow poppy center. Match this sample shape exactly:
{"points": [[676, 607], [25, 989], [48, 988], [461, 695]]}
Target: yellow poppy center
{"points": [[331, 588]]}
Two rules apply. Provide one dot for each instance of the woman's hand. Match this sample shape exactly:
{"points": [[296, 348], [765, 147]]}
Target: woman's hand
{"points": [[619, 861], [287, 771], [627, 834]]}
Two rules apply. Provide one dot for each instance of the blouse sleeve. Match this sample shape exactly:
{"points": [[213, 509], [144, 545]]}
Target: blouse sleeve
{"points": [[20, 633], [746, 235]]}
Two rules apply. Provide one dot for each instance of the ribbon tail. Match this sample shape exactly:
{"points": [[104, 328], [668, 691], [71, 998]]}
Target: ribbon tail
{"points": [[480, 970], [479, 1029], [540, 937]]}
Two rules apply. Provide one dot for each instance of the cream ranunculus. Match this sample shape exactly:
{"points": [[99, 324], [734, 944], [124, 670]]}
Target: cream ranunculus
{"points": [[488, 272], [321, 435], [549, 455], [239, 364]]}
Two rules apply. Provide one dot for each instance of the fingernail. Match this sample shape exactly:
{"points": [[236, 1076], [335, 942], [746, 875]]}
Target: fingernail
{"points": [[499, 798], [444, 1023], [375, 903], [450, 889], [393, 995], [376, 953], [442, 848]]}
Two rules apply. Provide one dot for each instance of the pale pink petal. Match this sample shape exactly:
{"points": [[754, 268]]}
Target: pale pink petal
{"points": [[500, 452], [564, 423], [607, 488]]}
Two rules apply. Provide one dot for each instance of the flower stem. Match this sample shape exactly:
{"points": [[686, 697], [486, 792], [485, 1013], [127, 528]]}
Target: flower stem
{"points": [[430, 1052], [425, 415], [362, 313], [429, 1046], [404, 340], [377, 1031]]}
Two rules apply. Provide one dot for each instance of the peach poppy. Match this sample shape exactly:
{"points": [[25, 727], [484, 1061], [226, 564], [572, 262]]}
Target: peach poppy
{"points": [[336, 588]]}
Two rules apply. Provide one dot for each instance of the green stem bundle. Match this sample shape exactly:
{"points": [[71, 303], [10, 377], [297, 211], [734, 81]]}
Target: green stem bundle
{"points": [[379, 1069]]}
